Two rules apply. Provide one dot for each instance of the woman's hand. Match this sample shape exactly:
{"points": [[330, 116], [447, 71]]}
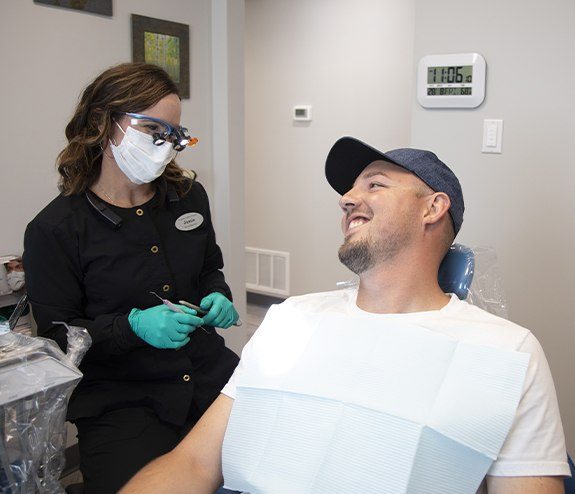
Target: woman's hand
{"points": [[221, 312], [163, 328]]}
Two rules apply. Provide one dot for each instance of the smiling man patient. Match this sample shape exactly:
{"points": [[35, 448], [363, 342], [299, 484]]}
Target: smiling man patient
{"points": [[393, 386]]}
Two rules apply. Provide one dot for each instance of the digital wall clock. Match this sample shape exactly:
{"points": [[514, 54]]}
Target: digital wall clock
{"points": [[454, 80]]}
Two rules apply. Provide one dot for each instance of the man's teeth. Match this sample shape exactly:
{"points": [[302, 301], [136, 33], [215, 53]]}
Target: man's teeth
{"points": [[357, 222]]}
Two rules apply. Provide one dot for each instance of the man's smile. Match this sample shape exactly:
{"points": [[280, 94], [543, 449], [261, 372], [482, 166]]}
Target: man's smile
{"points": [[355, 221]]}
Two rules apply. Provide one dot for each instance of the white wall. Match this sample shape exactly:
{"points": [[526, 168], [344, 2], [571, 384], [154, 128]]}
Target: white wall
{"points": [[352, 62], [521, 202], [50, 54]]}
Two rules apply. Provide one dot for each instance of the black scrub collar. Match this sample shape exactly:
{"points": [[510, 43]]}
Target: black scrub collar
{"points": [[166, 191]]}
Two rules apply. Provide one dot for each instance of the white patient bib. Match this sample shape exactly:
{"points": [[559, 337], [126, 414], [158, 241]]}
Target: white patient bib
{"points": [[336, 403]]}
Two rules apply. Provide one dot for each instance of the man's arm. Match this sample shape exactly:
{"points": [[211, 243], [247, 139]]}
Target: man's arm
{"points": [[195, 465], [525, 485]]}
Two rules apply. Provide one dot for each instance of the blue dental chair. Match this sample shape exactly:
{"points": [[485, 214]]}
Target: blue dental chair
{"points": [[456, 271], [570, 483]]}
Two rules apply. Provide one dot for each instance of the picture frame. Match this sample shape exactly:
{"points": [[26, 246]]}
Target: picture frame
{"points": [[166, 44], [102, 7]]}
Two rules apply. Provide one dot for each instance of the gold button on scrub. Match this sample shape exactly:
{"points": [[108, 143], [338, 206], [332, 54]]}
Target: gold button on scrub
{"points": [[186, 377], [139, 212], [154, 249], [166, 288]]}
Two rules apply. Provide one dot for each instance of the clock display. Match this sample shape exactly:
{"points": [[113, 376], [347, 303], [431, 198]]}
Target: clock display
{"points": [[459, 74]]}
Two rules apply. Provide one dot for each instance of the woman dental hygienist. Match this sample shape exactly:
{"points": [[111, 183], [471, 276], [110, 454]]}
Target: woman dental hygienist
{"points": [[130, 221]]}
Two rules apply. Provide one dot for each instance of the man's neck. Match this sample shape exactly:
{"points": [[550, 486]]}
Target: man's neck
{"points": [[400, 286]]}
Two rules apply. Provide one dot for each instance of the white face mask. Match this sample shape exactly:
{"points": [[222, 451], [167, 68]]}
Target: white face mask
{"points": [[15, 280], [139, 158]]}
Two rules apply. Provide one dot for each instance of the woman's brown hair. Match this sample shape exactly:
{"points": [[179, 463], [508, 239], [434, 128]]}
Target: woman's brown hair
{"points": [[129, 88]]}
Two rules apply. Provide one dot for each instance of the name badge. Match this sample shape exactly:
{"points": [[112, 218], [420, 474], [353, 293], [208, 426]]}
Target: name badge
{"points": [[189, 221]]}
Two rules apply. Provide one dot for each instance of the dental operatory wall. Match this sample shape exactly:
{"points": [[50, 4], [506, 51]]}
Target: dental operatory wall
{"points": [[50, 54], [520, 202], [355, 64], [352, 63]]}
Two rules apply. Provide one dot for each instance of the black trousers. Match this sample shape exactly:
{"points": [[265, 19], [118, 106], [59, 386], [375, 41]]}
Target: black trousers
{"points": [[114, 446]]}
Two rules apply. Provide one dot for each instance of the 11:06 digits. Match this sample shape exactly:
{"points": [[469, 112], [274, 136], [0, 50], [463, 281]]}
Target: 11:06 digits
{"points": [[450, 75]]}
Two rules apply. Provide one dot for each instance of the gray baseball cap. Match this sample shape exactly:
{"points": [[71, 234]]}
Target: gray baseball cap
{"points": [[348, 157]]}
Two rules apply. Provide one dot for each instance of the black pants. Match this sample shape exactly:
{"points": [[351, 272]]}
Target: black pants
{"points": [[114, 446]]}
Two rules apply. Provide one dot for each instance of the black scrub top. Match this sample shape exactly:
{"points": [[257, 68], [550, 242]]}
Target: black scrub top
{"points": [[83, 270]]}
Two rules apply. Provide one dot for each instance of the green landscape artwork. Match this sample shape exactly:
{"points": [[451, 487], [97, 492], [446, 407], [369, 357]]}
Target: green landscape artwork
{"points": [[163, 50]]}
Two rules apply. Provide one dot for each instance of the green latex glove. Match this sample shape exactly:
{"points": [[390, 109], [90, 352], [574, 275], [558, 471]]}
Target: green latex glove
{"points": [[163, 328], [221, 312]]}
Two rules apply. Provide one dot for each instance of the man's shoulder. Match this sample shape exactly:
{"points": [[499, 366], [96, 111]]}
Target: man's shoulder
{"points": [[473, 324]]}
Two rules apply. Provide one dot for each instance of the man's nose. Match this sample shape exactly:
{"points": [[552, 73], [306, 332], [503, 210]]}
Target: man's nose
{"points": [[349, 200]]}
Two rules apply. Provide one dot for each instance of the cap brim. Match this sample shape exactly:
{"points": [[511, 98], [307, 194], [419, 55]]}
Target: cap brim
{"points": [[347, 158]]}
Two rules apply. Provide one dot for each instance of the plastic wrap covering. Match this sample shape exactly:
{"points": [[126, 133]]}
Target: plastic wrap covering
{"points": [[472, 274], [486, 290], [36, 380]]}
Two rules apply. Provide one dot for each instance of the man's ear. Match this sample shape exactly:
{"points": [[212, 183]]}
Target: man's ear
{"points": [[438, 205]]}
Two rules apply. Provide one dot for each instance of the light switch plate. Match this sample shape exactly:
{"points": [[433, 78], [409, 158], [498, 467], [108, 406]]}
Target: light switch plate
{"points": [[492, 136]]}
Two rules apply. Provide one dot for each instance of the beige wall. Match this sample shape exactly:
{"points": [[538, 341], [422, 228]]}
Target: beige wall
{"points": [[352, 62], [521, 201]]}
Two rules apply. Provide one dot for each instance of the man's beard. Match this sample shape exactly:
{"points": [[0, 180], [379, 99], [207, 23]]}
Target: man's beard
{"points": [[362, 255]]}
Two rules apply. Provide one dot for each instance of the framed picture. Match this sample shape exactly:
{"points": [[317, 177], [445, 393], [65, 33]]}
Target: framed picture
{"points": [[103, 7], [166, 44]]}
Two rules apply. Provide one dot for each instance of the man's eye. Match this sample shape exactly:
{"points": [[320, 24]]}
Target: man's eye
{"points": [[374, 185]]}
